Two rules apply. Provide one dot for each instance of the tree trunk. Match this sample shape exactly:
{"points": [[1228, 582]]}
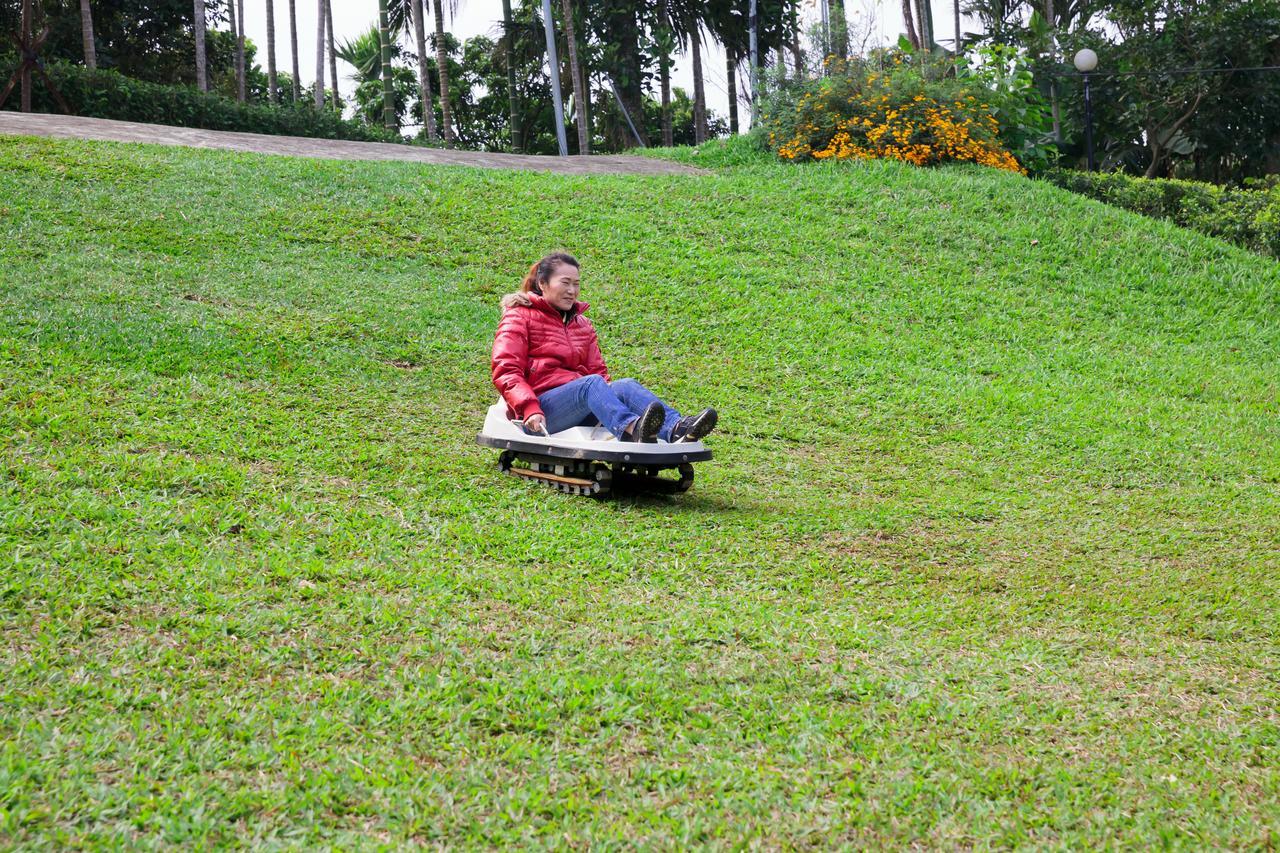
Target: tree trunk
{"points": [[955, 47], [235, 65], [580, 93], [318, 94], [388, 87], [508, 54], [699, 92], [202, 62], [293, 46], [333, 54], [424, 79], [1054, 109], [731, 83], [839, 30], [664, 73], [86, 35], [797, 55], [442, 67], [241, 82], [272, 90], [924, 17], [907, 19], [623, 27]]}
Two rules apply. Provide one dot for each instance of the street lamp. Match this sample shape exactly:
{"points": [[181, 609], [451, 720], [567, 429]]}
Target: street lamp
{"points": [[1085, 61]]}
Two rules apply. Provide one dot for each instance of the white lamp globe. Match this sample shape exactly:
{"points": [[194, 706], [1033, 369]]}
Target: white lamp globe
{"points": [[1086, 60]]}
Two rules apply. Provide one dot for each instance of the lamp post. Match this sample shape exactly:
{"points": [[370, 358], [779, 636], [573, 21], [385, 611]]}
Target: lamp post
{"points": [[1085, 61]]}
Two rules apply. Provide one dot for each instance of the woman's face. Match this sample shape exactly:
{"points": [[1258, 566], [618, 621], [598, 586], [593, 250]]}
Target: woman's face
{"points": [[561, 288]]}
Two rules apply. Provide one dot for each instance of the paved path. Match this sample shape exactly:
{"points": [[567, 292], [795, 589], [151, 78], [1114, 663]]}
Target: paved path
{"points": [[74, 127]]}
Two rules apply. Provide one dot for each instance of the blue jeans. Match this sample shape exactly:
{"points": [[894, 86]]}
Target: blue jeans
{"points": [[591, 400]]}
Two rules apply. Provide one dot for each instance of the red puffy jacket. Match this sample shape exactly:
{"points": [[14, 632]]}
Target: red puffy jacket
{"points": [[538, 348]]}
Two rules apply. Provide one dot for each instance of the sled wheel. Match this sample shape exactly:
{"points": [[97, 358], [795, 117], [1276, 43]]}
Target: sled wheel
{"points": [[603, 478], [504, 461], [686, 478]]}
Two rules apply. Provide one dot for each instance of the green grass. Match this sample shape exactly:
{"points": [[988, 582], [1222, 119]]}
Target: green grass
{"points": [[987, 555]]}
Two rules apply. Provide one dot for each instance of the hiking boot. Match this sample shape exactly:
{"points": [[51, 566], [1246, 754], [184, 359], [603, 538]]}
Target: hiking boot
{"points": [[694, 427], [647, 426]]}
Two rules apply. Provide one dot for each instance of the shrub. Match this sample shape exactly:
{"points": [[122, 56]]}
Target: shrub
{"points": [[1248, 216], [897, 107], [108, 94]]}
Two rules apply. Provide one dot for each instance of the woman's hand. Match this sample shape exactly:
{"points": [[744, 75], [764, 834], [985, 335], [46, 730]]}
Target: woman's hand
{"points": [[536, 423], [514, 300]]}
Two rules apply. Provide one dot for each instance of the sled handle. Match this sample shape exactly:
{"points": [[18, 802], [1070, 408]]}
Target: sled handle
{"points": [[520, 423]]}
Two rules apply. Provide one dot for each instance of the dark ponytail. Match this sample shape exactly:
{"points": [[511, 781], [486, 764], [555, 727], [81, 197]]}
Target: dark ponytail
{"points": [[540, 272]]}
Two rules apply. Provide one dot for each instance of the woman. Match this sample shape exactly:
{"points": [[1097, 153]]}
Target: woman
{"points": [[548, 367]]}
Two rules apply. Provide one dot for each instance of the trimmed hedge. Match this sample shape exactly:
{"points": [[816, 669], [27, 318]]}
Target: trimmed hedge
{"points": [[109, 94], [1248, 217]]}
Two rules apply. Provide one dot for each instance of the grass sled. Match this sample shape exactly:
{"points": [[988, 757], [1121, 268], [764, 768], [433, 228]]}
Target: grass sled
{"points": [[589, 460]]}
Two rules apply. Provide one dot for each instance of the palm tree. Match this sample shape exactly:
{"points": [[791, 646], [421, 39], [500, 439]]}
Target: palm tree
{"points": [[442, 67], [333, 59], [508, 37], [319, 93], [664, 40], [699, 90], [579, 85], [907, 19], [731, 83], [384, 45], [293, 44], [202, 76], [272, 89], [235, 35], [86, 34], [240, 75], [840, 30], [364, 54], [416, 11]]}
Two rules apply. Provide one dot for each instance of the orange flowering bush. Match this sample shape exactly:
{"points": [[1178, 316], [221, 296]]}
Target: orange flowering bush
{"points": [[887, 110]]}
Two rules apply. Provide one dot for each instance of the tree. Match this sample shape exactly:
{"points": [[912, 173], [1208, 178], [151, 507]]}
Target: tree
{"points": [[699, 90], [293, 46], [272, 80], [384, 37], [320, 26], [908, 20], [235, 35], [86, 29], [442, 65], [202, 63], [416, 11], [508, 52], [664, 41], [731, 84], [240, 66], [333, 57], [581, 93]]}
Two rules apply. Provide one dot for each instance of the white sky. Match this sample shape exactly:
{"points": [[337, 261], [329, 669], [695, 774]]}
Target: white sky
{"points": [[882, 19]]}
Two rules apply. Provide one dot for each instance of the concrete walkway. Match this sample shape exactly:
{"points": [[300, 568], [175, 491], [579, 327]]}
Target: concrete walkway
{"points": [[73, 127]]}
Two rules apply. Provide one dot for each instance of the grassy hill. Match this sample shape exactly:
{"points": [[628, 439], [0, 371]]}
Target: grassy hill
{"points": [[988, 554]]}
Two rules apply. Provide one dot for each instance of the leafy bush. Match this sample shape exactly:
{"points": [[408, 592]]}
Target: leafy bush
{"points": [[1248, 216], [1006, 82], [907, 107], [108, 94]]}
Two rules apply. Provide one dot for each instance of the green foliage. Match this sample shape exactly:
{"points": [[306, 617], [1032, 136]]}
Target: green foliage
{"points": [[108, 94], [1008, 85], [150, 40], [370, 94], [986, 557], [905, 106], [1248, 217]]}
